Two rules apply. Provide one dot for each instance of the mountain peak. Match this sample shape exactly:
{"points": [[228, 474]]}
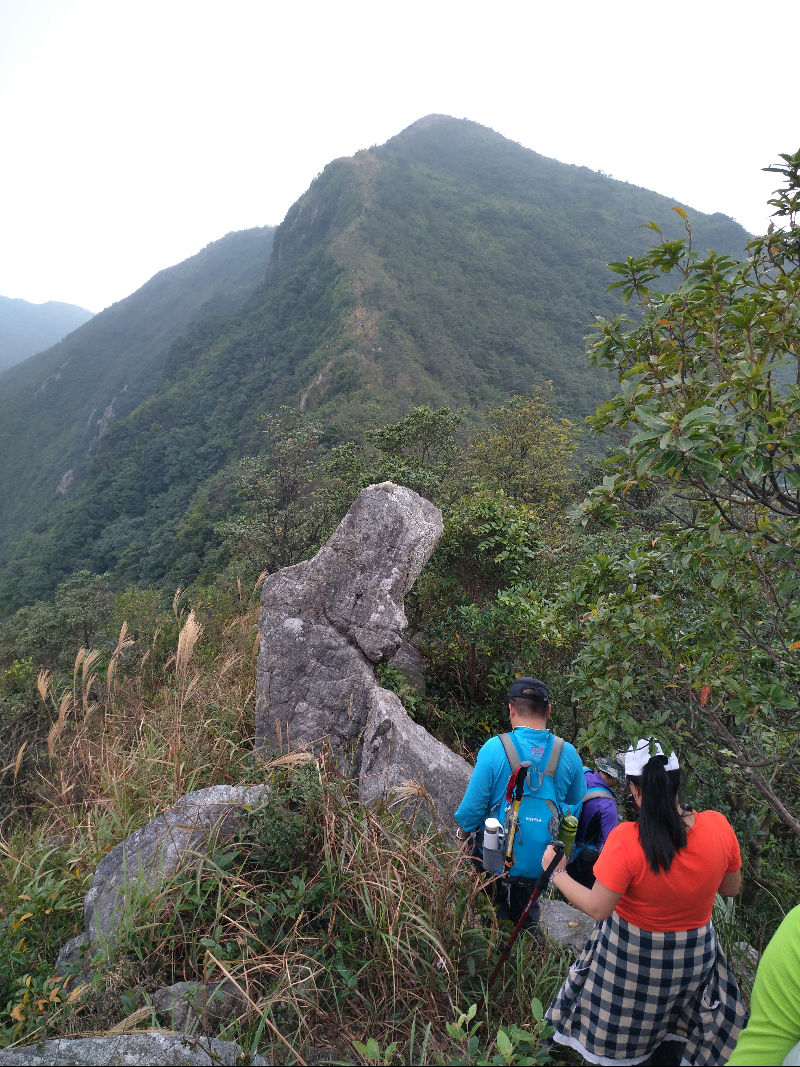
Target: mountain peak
{"points": [[427, 121], [439, 123], [449, 266]]}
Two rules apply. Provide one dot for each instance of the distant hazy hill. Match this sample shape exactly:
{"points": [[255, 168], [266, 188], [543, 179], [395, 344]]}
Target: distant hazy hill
{"points": [[56, 406], [448, 266], [26, 329]]}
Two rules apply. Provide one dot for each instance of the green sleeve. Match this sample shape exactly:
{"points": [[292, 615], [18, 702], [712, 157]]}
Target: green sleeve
{"points": [[774, 1026]]}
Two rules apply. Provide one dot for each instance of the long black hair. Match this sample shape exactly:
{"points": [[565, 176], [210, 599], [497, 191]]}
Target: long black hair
{"points": [[662, 831]]}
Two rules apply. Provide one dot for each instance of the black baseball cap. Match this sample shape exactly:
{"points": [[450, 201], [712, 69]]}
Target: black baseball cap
{"points": [[530, 689]]}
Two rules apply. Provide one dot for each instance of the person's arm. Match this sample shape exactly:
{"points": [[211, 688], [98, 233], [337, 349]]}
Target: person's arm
{"points": [[731, 884], [732, 879], [474, 808], [774, 1025], [597, 902], [576, 790]]}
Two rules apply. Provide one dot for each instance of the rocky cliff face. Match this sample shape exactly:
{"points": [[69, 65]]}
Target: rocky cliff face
{"points": [[325, 623]]}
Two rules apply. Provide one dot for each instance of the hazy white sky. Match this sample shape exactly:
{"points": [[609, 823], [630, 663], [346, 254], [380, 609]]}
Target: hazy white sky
{"points": [[134, 133]]}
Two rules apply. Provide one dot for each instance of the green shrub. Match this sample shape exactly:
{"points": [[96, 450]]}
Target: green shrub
{"points": [[41, 896]]}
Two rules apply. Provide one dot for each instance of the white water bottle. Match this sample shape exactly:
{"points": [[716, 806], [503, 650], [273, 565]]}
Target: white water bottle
{"points": [[493, 846]]}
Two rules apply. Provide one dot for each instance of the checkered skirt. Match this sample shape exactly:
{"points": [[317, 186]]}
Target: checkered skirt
{"points": [[631, 989]]}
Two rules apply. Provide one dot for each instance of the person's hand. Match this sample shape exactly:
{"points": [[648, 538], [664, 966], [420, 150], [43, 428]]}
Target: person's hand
{"points": [[549, 856]]}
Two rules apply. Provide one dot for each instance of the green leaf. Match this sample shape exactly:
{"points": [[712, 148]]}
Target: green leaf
{"points": [[504, 1043], [370, 1049], [653, 420], [706, 414]]}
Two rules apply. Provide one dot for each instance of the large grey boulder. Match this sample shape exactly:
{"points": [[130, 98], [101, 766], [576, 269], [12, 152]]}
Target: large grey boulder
{"points": [[402, 764], [178, 837], [147, 1049], [326, 622]]}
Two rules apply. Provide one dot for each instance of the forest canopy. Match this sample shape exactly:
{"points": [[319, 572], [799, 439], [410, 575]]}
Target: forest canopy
{"points": [[694, 630]]}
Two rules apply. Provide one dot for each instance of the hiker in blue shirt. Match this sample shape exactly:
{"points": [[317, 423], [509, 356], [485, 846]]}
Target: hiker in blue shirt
{"points": [[554, 782], [598, 817]]}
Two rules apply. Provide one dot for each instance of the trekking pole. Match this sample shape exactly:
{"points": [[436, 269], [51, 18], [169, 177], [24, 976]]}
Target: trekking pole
{"points": [[541, 882]]}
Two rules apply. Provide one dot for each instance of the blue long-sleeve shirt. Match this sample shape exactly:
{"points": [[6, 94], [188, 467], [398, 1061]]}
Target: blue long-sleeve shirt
{"points": [[486, 791]]}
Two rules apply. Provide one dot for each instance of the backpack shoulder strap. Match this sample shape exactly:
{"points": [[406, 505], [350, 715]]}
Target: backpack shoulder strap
{"points": [[555, 756], [550, 772], [511, 751], [513, 756], [598, 791]]}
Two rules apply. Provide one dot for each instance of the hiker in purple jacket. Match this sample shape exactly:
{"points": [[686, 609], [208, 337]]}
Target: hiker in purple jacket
{"points": [[599, 816]]}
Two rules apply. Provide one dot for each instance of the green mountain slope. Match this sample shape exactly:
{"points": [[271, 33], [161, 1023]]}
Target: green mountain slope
{"points": [[56, 406], [26, 328], [475, 265], [448, 266]]}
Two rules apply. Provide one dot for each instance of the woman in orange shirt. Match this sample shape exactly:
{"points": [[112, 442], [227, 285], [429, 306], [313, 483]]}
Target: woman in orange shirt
{"points": [[652, 985]]}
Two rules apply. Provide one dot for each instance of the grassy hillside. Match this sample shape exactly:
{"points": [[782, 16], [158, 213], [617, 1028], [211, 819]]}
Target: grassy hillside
{"points": [[648, 612], [356, 937], [449, 266]]}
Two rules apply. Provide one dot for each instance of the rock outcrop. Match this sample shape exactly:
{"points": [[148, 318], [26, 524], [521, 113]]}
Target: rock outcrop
{"points": [[401, 760], [325, 623], [176, 838], [146, 1048], [192, 1007], [324, 626], [566, 924]]}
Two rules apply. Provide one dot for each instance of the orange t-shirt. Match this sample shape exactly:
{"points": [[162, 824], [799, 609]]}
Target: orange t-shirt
{"points": [[680, 898]]}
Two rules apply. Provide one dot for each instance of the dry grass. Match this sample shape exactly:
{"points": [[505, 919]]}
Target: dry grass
{"points": [[335, 923], [129, 748]]}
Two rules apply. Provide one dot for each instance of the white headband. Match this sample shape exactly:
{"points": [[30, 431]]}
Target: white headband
{"points": [[637, 758]]}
